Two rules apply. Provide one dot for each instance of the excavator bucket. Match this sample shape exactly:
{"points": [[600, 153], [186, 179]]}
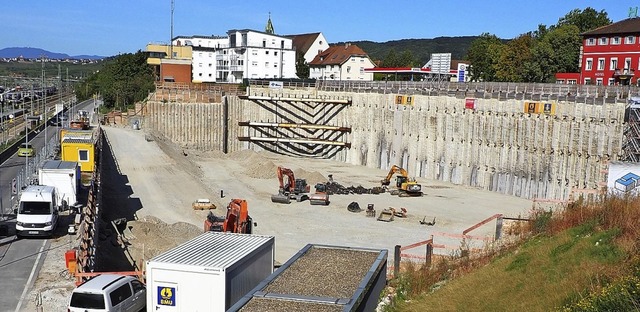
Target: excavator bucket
{"points": [[281, 198], [386, 215]]}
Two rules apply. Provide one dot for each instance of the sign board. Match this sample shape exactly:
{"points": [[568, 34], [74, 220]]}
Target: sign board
{"points": [[14, 186], [470, 103], [440, 63], [533, 107], [404, 99], [623, 178], [275, 84]]}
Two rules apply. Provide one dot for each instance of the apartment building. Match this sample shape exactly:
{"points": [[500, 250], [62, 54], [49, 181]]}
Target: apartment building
{"points": [[341, 62]]}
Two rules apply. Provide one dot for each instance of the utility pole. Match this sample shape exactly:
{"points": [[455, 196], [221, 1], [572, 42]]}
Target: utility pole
{"points": [[171, 39], [44, 110]]}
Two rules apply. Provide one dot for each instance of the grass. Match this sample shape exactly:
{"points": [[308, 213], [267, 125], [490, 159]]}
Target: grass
{"points": [[584, 257]]}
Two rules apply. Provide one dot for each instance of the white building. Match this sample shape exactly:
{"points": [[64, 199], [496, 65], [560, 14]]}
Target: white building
{"points": [[309, 45], [241, 54], [343, 62]]}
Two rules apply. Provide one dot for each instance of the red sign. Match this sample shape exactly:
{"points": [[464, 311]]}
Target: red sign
{"points": [[470, 103]]}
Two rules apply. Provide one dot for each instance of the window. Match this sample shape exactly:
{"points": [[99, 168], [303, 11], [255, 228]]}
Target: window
{"points": [[137, 286], [200, 75], [598, 81], [587, 81], [266, 64], [120, 294], [591, 41], [603, 41], [615, 40], [627, 63], [611, 82], [348, 69], [254, 52], [275, 65], [199, 54], [266, 52], [83, 155], [572, 81], [614, 63], [275, 53], [264, 43], [199, 64], [589, 64], [629, 39], [254, 63], [601, 64], [240, 62]]}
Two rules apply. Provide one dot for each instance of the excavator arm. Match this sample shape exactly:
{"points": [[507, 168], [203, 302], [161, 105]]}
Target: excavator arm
{"points": [[394, 169]]}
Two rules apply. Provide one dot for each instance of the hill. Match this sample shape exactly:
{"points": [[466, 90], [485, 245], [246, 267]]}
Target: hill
{"points": [[421, 48], [32, 53]]}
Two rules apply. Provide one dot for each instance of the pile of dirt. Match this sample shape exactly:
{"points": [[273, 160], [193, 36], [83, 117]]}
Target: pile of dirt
{"points": [[261, 170], [312, 177], [151, 236]]}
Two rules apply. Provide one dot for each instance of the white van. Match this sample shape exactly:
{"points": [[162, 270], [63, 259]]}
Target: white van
{"points": [[109, 292], [37, 212]]}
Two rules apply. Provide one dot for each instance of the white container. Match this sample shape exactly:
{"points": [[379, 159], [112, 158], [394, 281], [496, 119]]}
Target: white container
{"points": [[211, 272], [64, 176]]}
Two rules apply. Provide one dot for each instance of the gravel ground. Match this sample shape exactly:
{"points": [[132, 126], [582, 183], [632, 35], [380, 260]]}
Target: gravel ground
{"points": [[324, 272], [262, 304]]}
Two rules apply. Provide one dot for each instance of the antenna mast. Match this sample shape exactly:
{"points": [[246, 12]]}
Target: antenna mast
{"points": [[171, 39]]}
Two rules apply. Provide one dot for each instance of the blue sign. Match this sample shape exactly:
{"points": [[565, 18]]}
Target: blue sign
{"points": [[461, 76], [167, 296]]}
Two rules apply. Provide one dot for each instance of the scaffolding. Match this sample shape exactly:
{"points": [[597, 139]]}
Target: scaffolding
{"points": [[631, 147]]}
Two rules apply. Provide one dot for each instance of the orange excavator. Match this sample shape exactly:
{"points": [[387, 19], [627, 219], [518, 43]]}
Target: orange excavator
{"points": [[405, 186], [236, 221], [293, 189]]}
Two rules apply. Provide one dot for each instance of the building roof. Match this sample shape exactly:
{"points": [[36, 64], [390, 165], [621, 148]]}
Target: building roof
{"points": [[337, 55], [303, 42], [626, 26]]}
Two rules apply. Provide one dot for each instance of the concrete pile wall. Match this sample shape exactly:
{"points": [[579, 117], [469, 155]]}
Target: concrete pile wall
{"points": [[497, 147]]}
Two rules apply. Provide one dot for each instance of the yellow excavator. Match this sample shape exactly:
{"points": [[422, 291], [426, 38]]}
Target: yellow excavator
{"points": [[405, 186]]}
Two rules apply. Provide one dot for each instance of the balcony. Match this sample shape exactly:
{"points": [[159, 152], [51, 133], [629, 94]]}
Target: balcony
{"points": [[623, 73]]}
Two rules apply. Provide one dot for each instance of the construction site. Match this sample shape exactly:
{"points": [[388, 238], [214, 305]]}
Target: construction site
{"points": [[423, 173]]}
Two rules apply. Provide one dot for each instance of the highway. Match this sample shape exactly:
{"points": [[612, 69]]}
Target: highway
{"points": [[20, 259]]}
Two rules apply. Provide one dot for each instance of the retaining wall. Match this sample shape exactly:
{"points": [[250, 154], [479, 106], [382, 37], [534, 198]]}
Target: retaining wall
{"points": [[496, 147]]}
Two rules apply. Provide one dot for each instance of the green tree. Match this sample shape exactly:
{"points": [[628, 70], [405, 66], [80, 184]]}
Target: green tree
{"points": [[515, 53], [123, 81], [484, 54], [302, 68], [406, 59], [585, 20], [391, 60]]}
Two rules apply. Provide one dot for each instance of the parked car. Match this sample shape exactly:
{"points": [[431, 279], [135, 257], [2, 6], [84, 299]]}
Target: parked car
{"points": [[109, 292], [25, 149]]}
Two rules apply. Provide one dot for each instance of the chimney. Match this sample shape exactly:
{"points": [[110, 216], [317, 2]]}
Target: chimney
{"points": [[346, 45]]}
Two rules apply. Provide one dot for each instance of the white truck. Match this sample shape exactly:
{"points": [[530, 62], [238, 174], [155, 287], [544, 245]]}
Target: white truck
{"points": [[65, 177], [37, 212]]}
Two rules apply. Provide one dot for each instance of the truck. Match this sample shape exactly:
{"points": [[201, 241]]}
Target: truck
{"points": [[37, 212], [65, 177], [208, 273], [322, 278]]}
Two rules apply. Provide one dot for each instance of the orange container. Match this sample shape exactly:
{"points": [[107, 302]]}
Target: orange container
{"points": [[70, 257]]}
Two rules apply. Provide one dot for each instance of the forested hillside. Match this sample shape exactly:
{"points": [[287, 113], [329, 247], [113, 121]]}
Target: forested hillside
{"points": [[420, 48]]}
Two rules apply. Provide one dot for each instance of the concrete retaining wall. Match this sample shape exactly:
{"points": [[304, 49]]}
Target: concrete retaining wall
{"points": [[497, 147]]}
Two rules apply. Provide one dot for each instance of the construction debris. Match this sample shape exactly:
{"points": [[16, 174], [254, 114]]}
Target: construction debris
{"points": [[354, 207], [423, 222], [387, 215], [203, 204], [335, 188]]}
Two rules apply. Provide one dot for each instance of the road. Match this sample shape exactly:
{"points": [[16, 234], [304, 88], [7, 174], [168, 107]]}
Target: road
{"points": [[20, 259]]}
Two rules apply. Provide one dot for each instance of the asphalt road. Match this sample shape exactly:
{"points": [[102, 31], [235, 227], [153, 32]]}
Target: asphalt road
{"points": [[20, 259]]}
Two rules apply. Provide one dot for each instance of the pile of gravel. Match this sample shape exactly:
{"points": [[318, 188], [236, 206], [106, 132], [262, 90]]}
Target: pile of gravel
{"points": [[264, 304]]}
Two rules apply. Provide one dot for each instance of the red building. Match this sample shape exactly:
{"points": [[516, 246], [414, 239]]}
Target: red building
{"points": [[610, 55]]}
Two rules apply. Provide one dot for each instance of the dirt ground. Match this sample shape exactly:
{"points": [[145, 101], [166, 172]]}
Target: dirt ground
{"points": [[152, 183]]}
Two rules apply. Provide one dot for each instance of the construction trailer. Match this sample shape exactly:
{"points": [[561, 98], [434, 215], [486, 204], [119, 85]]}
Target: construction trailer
{"points": [[322, 278], [210, 272], [64, 176], [79, 146]]}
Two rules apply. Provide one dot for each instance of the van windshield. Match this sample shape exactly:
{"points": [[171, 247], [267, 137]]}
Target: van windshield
{"points": [[87, 301], [35, 208]]}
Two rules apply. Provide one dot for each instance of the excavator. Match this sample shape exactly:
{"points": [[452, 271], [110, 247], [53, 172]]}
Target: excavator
{"points": [[293, 189], [236, 221], [406, 187]]}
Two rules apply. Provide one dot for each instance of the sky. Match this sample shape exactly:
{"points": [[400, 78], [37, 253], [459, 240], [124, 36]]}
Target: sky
{"points": [[112, 27]]}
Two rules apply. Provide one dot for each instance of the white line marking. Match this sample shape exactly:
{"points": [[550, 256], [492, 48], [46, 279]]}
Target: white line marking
{"points": [[33, 271]]}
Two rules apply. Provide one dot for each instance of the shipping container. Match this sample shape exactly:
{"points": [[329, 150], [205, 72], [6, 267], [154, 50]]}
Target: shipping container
{"points": [[322, 278], [210, 272], [64, 176]]}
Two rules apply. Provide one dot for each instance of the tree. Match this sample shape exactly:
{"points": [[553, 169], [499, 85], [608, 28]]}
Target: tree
{"points": [[124, 80], [302, 68], [484, 54], [515, 53], [585, 20], [391, 60]]}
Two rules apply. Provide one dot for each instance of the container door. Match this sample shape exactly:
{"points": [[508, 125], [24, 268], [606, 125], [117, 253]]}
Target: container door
{"points": [[164, 297]]}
